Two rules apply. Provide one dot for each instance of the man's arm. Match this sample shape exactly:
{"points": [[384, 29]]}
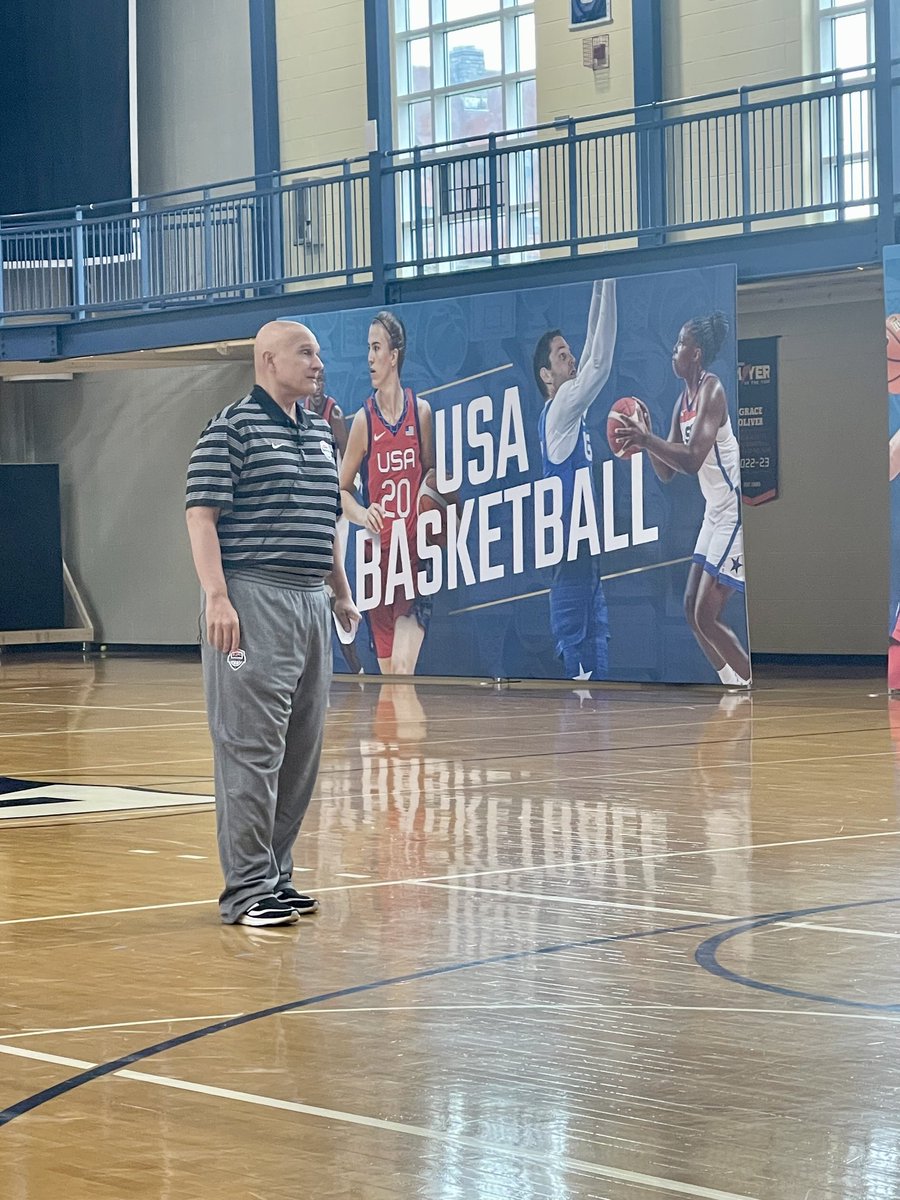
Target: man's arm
{"points": [[575, 396], [223, 629]]}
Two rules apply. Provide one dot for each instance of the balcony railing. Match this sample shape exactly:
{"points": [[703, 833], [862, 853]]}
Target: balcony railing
{"points": [[792, 153]]}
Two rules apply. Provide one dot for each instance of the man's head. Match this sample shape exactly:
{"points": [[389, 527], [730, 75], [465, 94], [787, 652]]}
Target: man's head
{"points": [[554, 363], [286, 361]]}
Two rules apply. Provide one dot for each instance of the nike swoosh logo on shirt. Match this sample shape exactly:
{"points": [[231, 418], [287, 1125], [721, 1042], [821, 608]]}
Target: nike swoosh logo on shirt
{"points": [[378, 436]]}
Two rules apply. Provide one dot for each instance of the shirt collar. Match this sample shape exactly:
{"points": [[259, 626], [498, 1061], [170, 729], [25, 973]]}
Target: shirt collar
{"points": [[275, 412]]}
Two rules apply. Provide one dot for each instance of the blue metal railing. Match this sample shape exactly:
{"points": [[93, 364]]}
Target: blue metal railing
{"points": [[789, 153], [734, 161], [227, 241]]}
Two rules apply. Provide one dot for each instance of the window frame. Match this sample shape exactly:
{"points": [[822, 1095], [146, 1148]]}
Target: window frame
{"points": [[853, 164], [509, 78]]}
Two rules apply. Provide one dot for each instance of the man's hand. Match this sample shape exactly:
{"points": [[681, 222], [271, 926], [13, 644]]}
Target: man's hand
{"points": [[223, 629], [346, 613]]}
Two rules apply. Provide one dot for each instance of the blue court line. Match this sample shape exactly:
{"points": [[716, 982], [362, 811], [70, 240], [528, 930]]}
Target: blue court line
{"points": [[30, 1103], [707, 957], [128, 1060]]}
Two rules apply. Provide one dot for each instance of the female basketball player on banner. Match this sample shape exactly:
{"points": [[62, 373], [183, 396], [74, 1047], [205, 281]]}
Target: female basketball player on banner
{"points": [[701, 442], [391, 445]]}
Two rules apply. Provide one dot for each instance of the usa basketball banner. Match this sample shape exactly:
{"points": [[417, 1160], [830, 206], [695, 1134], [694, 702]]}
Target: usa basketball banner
{"points": [[892, 335], [758, 418], [543, 483]]}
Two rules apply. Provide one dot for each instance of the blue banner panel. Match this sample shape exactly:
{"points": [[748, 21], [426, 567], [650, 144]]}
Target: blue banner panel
{"points": [[758, 418], [589, 12], [31, 581], [64, 95], [544, 483]]}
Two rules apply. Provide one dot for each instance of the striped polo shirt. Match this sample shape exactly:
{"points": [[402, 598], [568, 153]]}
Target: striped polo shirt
{"points": [[276, 483]]}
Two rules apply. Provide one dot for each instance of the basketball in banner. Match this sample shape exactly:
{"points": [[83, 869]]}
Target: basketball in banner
{"points": [[544, 483]]}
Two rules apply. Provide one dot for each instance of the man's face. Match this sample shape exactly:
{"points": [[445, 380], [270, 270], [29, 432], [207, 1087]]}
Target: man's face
{"points": [[296, 365], [562, 365]]}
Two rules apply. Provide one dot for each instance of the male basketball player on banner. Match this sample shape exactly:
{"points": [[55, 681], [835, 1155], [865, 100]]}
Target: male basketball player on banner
{"points": [[391, 445], [579, 618], [701, 442]]}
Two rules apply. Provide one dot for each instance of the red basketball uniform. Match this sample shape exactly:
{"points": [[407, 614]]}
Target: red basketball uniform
{"points": [[327, 408], [392, 474]]}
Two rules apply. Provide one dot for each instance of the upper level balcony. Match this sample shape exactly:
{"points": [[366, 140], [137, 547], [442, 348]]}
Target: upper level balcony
{"points": [[788, 177]]}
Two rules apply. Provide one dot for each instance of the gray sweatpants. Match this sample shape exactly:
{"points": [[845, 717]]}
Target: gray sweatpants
{"points": [[266, 717]]}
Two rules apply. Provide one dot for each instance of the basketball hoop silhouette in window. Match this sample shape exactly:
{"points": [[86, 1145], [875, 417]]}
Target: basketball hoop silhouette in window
{"points": [[587, 12]]}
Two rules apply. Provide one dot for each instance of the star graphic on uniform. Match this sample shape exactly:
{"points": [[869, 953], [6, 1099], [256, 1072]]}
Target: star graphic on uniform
{"points": [[736, 565]]}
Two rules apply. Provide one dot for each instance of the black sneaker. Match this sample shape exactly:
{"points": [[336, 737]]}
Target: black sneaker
{"points": [[268, 910], [301, 905]]}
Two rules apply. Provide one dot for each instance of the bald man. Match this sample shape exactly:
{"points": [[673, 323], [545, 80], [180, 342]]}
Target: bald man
{"points": [[262, 503]]}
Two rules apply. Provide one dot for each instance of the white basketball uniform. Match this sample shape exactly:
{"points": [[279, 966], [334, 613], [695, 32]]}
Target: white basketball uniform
{"points": [[720, 546]]}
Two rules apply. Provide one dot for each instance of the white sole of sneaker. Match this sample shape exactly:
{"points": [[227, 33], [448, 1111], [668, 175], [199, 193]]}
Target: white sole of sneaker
{"points": [[265, 922]]}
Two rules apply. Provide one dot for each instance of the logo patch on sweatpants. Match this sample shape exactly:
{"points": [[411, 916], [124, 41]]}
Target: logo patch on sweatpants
{"points": [[236, 659]]}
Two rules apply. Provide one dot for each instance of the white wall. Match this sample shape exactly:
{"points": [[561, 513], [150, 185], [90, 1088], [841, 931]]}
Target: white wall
{"points": [[565, 87], [321, 80], [195, 116], [711, 45], [817, 557], [123, 439]]}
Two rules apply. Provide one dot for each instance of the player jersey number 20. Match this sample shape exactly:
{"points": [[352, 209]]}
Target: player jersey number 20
{"points": [[396, 488], [396, 499]]}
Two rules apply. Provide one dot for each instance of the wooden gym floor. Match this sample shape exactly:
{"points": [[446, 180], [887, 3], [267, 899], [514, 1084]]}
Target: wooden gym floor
{"points": [[622, 944]]}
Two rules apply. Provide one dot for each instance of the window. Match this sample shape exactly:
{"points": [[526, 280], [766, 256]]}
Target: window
{"points": [[847, 47], [464, 69]]}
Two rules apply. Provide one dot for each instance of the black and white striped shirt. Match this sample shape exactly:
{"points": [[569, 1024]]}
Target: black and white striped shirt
{"points": [[276, 485]]}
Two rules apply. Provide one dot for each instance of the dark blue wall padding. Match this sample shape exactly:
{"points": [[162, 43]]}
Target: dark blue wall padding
{"points": [[64, 104]]}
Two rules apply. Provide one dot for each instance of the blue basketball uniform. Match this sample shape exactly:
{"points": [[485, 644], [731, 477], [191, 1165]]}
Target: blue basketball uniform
{"points": [[579, 618]]}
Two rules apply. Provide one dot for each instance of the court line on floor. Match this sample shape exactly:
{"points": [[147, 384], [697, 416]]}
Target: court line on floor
{"points": [[122, 1064], [663, 854], [437, 879], [159, 726], [551, 1161], [612, 776], [539, 1007], [28, 1033], [153, 707], [706, 956], [589, 1006], [654, 908]]}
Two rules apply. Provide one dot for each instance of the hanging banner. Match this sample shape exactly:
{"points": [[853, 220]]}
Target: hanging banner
{"points": [[758, 418], [543, 483], [892, 339]]}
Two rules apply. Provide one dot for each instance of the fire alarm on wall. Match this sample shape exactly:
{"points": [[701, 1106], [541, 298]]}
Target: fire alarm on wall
{"points": [[595, 52]]}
